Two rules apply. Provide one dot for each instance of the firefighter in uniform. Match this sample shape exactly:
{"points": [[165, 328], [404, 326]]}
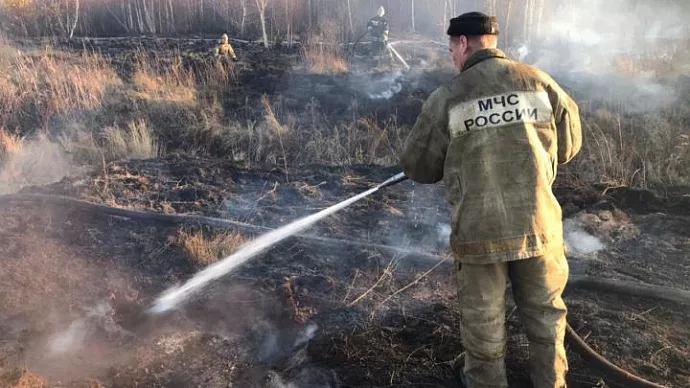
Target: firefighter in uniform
{"points": [[495, 135], [378, 28], [224, 49]]}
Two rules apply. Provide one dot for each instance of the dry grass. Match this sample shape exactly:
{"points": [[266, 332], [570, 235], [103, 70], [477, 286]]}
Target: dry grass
{"points": [[155, 80], [173, 105], [27, 379], [10, 145], [136, 141], [629, 150], [204, 248], [322, 55], [321, 60], [37, 87], [361, 142]]}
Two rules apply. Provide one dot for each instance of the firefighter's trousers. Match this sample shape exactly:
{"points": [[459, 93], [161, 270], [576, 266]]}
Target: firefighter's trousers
{"points": [[537, 284]]}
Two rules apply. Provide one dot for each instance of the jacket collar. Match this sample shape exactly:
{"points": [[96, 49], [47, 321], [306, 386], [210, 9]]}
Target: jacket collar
{"points": [[483, 55]]}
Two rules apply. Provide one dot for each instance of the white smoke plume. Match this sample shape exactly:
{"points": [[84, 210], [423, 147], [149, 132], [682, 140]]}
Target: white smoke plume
{"points": [[578, 241]]}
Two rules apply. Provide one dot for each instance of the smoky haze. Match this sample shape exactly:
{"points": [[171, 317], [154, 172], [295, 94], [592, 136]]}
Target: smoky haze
{"points": [[601, 35]]}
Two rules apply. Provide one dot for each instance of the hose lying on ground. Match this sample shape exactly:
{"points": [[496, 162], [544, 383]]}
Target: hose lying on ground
{"points": [[199, 220], [605, 366], [610, 370], [598, 361]]}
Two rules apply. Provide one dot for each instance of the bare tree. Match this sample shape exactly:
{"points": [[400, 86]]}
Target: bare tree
{"points": [[522, 19], [528, 20], [414, 29], [491, 6], [244, 17], [309, 13], [61, 16], [73, 26], [507, 27], [288, 22], [540, 13], [170, 15], [349, 17], [261, 6]]}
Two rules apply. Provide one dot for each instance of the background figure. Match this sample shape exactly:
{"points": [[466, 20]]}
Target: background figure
{"points": [[378, 28], [225, 49]]}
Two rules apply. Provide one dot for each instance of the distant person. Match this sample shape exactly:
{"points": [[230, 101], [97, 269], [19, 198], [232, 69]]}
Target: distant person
{"points": [[495, 135], [225, 49], [378, 29]]}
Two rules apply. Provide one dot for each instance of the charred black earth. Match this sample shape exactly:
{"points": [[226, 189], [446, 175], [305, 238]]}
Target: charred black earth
{"points": [[306, 313], [367, 299]]}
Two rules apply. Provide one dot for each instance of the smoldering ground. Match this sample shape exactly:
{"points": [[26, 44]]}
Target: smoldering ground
{"points": [[371, 313], [82, 324], [253, 329], [78, 313]]}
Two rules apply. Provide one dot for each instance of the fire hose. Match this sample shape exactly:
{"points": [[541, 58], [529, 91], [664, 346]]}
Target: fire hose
{"points": [[388, 47], [598, 361]]}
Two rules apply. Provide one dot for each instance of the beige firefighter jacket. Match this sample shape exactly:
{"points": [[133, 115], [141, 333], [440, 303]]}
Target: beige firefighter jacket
{"points": [[225, 49], [495, 135]]}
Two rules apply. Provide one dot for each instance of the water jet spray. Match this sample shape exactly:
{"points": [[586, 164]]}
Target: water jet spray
{"points": [[172, 297], [400, 58]]}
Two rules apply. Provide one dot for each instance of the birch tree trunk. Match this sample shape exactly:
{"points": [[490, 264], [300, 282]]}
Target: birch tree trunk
{"points": [[506, 28], [309, 13], [244, 17], [171, 17], [445, 16], [540, 13], [261, 6], [349, 18], [414, 28], [76, 19]]}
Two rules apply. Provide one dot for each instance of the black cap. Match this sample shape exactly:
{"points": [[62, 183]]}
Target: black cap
{"points": [[473, 24]]}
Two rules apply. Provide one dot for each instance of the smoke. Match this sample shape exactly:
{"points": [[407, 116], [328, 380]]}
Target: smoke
{"points": [[81, 330], [69, 339], [88, 347], [617, 26], [384, 87], [38, 161], [278, 344], [263, 335], [425, 226], [613, 50], [578, 241], [306, 378]]}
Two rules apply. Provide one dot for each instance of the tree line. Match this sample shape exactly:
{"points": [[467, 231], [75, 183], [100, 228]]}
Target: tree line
{"points": [[268, 20]]}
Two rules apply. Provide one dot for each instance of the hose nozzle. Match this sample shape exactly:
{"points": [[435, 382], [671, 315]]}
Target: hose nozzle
{"points": [[393, 180]]}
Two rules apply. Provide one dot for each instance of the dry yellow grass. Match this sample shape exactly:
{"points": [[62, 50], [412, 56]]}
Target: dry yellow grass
{"points": [[322, 55], [29, 380], [136, 141], [176, 107], [9, 145], [320, 60], [36, 87], [154, 80], [204, 248]]}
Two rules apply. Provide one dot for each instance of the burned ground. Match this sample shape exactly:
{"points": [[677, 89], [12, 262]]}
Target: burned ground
{"points": [[302, 313], [307, 313]]}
